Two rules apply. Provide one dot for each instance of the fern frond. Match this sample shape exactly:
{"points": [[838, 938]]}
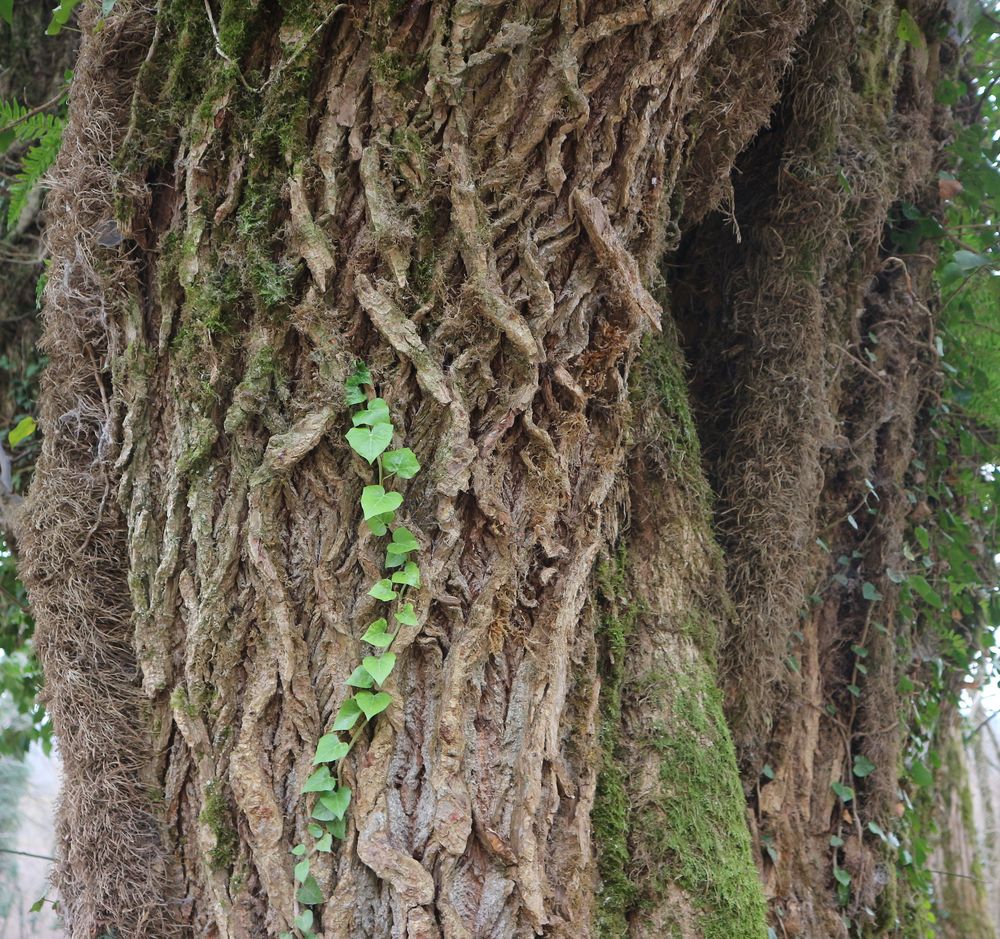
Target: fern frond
{"points": [[11, 111], [35, 164], [25, 126]]}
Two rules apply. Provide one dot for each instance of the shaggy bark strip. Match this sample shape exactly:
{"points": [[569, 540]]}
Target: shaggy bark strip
{"points": [[112, 873]]}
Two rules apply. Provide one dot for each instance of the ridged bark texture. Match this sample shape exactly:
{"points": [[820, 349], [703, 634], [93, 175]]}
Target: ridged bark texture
{"points": [[474, 198]]}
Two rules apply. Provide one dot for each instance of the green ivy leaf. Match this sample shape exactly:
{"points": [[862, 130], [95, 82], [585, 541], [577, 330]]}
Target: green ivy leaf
{"points": [[315, 830], [401, 462], [376, 501], [843, 877], [382, 590], [36, 907], [405, 615], [870, 592], [863, 766], [377, 636], [373, 704], [338, 828], [302, 870], [369, 442], [876, 829], [304, 920], [330, 749], [24, 429], [309, 893], [320, 781], [299, 850], [7, 15], [403, 541], [360, 376], [409, 575], [844, 793], [322, 813], [767, 771], [377, 413], [325, 844], [379, 666], [836, 841], [393, 560], [359, 679], [349, 712], [337, 802]]}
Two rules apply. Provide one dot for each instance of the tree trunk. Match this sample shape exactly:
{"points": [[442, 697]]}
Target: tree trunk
{"points": [[474, 198]]}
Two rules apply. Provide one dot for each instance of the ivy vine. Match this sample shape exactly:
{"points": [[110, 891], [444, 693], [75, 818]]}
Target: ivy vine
{"points": [[369, 437]]}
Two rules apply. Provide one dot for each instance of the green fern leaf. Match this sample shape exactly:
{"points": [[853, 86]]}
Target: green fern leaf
{"points": [[36, 163]]}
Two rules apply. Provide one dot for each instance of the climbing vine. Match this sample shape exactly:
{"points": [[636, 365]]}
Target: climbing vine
{"points": [[948, 608], [370, 437]]}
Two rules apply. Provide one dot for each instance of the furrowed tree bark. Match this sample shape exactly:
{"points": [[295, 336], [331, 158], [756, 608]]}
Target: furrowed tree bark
{"points": [[474, 198]]}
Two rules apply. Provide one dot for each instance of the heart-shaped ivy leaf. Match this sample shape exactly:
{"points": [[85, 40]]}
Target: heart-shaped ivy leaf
{"points": [[394, 560], [405, 615], [372, 704], [376, 501], [338, 828], [325, 844], [409, 575], [377, 636], [348, 714], [379, 666], [304, 921], [863, 766], [376, 413], [401, 462], [301, 870], [353, 386], [845, 793], [299, 850], [870, 592], [369, 442], [315, 830], [320, 781], [382, 590], [359, 679], [330, 749], [403, 541], [322, 813], [337, 802], [309, 893]]}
